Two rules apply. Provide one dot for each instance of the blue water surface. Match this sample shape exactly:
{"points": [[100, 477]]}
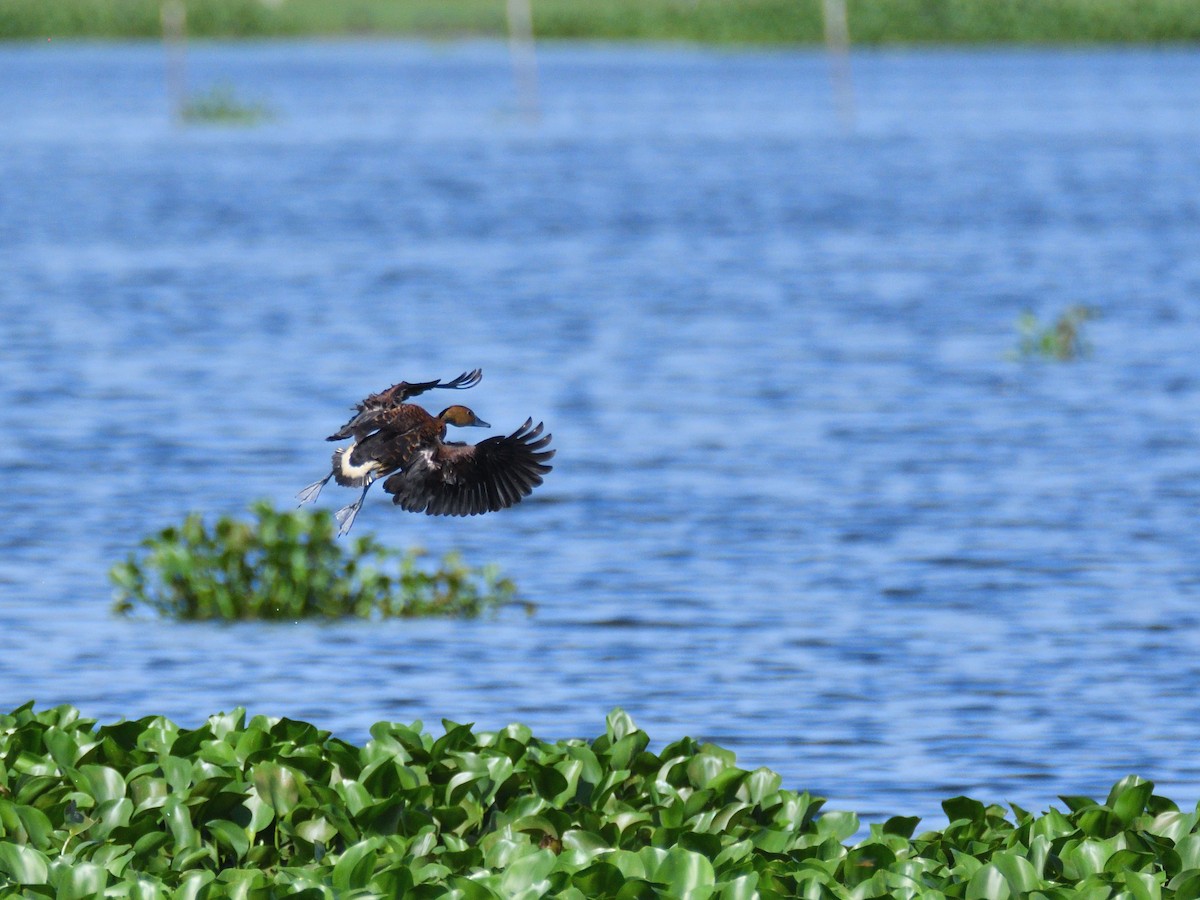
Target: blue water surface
{"points": [[805, 503]]}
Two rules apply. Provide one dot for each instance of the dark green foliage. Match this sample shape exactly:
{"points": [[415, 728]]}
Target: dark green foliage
{"points": [[289, 565], [277, 808], [743, 21], [1062, 341]]}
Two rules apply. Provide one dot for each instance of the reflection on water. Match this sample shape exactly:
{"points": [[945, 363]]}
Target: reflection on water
{"points": [[803, 505]]}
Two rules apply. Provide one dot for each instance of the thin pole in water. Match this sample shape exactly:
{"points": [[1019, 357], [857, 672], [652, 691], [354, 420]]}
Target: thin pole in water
{"points": [[174, 26], [837, 43], [520, 48]]}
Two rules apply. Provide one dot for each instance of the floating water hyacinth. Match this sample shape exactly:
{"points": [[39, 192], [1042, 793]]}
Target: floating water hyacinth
{"points": [[268, 807], [221, 106], [1062, 340], [289, 565]]}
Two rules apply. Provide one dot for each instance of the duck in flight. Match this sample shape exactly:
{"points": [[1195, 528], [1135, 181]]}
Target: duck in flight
{"points": [[369, 415], [403, 444]]}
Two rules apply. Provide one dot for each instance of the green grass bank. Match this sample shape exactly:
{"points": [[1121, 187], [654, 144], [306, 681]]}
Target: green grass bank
{"points": [[872, 22]]}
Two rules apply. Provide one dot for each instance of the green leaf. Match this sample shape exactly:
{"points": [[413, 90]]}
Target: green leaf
{"points": [[864, 861], [191, 884], [838, 824], [79, 881], [179, 821], [1188, 849], [988, 883], [230, 837], [108, 816], [354, 868], [901, 826], [528, 874], [29, 819], [277, 785], [103, 782], [964, 808], [177, 770], [1186, 884], [64, 749], [762, 783], [1084, 858], [1143, 886], [23, 864], [1017, 871], [317, 830], [585, 842], [629, 863], [618, 725], [744, 887], [686, 874], [1172, 825]]}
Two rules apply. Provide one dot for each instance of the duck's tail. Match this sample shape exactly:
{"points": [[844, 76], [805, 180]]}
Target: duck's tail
{"points": [[347, 474]]}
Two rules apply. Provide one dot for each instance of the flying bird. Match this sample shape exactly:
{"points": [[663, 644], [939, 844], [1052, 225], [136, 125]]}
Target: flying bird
{"points": [[369, 415], [403, 444]]}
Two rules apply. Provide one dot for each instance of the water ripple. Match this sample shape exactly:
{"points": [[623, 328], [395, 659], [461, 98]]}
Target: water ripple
{"points": [[804, 504]]}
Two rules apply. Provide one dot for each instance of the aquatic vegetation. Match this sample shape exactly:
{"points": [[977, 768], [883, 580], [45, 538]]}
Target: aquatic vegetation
{"points": [[720, 21], [289, 565], [221, 106], [264, 807], [1062, 340]]}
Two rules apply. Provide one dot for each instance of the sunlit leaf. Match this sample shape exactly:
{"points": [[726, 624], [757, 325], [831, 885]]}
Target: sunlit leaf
{"points": [[104, 783], [688, 874], [79, 881], [179, 821], [528, 873], [837, 823], [192, 884], [1131, 796], [23, 864]]}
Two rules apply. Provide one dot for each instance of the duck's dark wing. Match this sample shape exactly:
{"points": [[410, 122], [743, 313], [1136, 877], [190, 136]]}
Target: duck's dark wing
{"points": [[461, 383], [453, 479], [361, 425], [370, 410]]}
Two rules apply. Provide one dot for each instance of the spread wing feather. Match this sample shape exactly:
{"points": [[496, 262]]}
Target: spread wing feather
{"points": [[455, 479]]}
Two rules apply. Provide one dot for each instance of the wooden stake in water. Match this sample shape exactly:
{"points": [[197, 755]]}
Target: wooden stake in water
{"points": [[174, 26], [520, 48], [837, 43]]}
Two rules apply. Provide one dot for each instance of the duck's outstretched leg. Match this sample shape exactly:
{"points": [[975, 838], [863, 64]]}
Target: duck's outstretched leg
{"points": [[313, 490], [345, 515]]}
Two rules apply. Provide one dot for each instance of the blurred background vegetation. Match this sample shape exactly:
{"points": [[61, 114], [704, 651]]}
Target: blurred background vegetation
{"points": [[723, 21]]}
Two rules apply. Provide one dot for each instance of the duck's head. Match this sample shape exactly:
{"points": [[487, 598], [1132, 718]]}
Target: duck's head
{"points": [[462, 417]]}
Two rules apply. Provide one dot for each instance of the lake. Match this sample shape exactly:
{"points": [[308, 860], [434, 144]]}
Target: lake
{"points": [[806, 502]]}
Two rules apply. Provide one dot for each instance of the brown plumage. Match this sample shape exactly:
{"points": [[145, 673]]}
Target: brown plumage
{"points": [[372, 409], [402, 443]]}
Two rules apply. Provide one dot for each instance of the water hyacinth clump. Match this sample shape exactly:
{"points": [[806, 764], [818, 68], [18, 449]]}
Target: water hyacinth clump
{"points": [[290, 565], [264, 807], [1063, 340], [221, 106]]}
